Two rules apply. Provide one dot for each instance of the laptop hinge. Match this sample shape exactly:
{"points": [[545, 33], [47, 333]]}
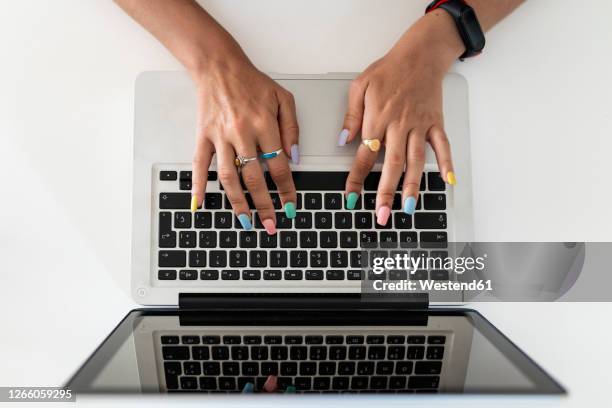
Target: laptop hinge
{"points": [[301, 301]]}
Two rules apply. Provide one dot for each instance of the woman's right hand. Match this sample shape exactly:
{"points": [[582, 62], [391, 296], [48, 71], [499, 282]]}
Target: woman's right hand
{"points": [[243, 112]]}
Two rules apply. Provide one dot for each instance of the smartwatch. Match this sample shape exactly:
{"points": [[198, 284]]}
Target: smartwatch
{"points": [[467, 24]]}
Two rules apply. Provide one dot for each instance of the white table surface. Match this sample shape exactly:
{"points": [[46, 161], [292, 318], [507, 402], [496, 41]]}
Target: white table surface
{"points": [[541, 138]]}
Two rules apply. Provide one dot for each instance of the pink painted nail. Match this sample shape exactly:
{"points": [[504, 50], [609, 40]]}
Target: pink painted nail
{"points": [[382, 215], [269, 226], [271, 384]]}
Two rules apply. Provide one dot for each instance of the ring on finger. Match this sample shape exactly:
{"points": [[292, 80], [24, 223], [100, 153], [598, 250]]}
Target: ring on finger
{"points": [[241, 161], [372, 144], [271, 155]]}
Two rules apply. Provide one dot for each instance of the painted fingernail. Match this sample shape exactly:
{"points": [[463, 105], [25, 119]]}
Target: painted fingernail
{"points": [[269, 226], [194, 203], [248, 388], [450, 177], [245, 221], [295, 154], [351, 201], [382, 215], [290, 209], [344, 134], [271, 384], [290, 389], [409, 205]]}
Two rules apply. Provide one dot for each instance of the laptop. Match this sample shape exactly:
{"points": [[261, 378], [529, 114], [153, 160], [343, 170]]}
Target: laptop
{"points": [[231, 311]]}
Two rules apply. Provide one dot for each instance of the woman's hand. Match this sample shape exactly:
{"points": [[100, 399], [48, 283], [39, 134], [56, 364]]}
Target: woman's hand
{"points": [[398, 100], [242, 112]]}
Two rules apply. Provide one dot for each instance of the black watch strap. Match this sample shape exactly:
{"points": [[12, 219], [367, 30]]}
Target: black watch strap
{"points": [[467, 24]]}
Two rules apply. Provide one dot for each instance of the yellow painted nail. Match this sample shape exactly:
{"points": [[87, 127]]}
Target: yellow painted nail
{"points": [[194, 203], [450, 176]]}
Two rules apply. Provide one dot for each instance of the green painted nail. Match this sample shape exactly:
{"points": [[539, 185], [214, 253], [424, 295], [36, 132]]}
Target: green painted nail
{"points": [[290, 210], [351, 201]]}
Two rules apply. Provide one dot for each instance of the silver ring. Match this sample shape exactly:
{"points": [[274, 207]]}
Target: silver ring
{"points": [[241, 161]]}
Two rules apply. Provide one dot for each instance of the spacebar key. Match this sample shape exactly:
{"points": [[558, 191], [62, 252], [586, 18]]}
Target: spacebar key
{"points": [[174, 201]]}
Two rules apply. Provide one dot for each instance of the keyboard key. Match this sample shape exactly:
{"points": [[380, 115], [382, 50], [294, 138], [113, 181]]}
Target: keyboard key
{"points": [[333, 201], [396, 339], [185, 185], [343, 220], [303, 220], [335, 274], [354, 339], [340, 383], [323, 220], [416, 340], [214, 368], [384, 367], [228, 239], [185, 175], [197, 259], [213, 201], [354, 274], [240, 353], [258, 259], [357, 352], [388, 239], [428, 367], [220, 353], [251, 275], [208, 239], [166, 274], [402, 220], [211, 339], [408, 239], [435, 352], [422, 381], [371, 181], [363, 220], [346, 368], [314, 274], [279, 352], [282, 221], [308, 239], [288, 239], [175, 352], [170, 340], [434, 201], [278, 259], [338, 259], [375, 339], [217, 259], [167, 175], [376, 352], [396, 352], [175, 201], [415, 352], [359, 383], [298, 352], [327, 368], [188, 274], [429, 220], [365, 368], [203, 220], [212, 175], [200, 353], [348, 239], [288, 368], [187, 239], [439, 275], [302, 383], [231, 368], [328, 239], [167, 237], [238, 259], [369, 201], [267, 241], [436, 339], [294, 339], [208, 383], [435, 182], [260, 353], [189, 383], [298, 259], [378, 383], [223, 220], [248, 239], [308, 368], [276, 201], [273, 339], [337, 353], [192, 368], [230, 274], [313, 201], [314, 339], [227, 383], [182, 219], [172, 258], [269, 368], [433, 239], [368, 238], [272, 274], [403, 367], [318, 353], [293, 275]]}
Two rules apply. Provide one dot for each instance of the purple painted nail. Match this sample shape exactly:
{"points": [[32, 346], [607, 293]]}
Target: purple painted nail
{"points": [[343, 136], [295, 154]]}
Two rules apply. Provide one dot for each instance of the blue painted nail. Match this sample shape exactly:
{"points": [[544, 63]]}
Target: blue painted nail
{"points": [[409, 205], [245, 221], [248, 388], [295, 154], [343, 136]]}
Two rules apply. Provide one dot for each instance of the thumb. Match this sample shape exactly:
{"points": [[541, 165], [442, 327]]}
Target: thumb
{"points": [[354, 112]]}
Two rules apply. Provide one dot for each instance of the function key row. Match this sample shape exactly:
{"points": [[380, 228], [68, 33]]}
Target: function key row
{"points": [[319, 180], [300, 339]]}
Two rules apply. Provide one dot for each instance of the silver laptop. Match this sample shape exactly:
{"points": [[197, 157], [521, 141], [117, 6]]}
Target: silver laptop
{"points": [[244, 312]]}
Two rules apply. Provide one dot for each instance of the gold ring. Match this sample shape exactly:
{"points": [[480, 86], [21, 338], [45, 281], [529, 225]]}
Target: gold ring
{"points": [[372, 144], [241, 161]]}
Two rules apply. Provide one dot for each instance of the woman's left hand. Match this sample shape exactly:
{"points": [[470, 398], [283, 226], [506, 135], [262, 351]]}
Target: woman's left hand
{"points": [[398, 101]]}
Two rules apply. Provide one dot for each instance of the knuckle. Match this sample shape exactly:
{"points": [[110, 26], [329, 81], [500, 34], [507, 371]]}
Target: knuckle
{"points": [[363, 163], [417, 153], [280, 174], [394, 158], [226, 175], [386, 196]]}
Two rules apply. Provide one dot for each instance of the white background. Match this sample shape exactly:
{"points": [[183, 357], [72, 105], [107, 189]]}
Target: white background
{"points": [[541, 139]]}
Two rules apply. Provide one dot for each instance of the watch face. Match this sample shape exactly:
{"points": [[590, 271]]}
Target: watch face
{"points": [[473, 32]]}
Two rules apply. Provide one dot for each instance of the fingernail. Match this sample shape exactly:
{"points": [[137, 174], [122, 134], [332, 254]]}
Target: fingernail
{"points": [[194, 203], [344, 134], [295, 154], [248, 388], [382, 215], [271, 384], [290, 389], [269, 226], [409, 205], [351, 201], [290, 210], [245, 221], [450, 177]]}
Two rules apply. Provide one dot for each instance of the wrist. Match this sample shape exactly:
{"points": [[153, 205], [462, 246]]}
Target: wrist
{"points": [[434, 40], [226, 58]]}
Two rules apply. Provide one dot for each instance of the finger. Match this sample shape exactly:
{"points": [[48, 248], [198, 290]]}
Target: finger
{"points": [[415, 162], [281, 174], [354, 112], [228, 175], [252, 175], [288, 126], [441, 147], [363, 163], [393, 167], [199, 167]]}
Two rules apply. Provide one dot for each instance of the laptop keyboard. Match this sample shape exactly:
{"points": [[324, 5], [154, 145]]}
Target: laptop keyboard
{"points": [[359, 362], [322, 243]]}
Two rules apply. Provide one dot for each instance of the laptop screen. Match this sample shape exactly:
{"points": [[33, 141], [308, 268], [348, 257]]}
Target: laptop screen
{"points": [[338, 352]]}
